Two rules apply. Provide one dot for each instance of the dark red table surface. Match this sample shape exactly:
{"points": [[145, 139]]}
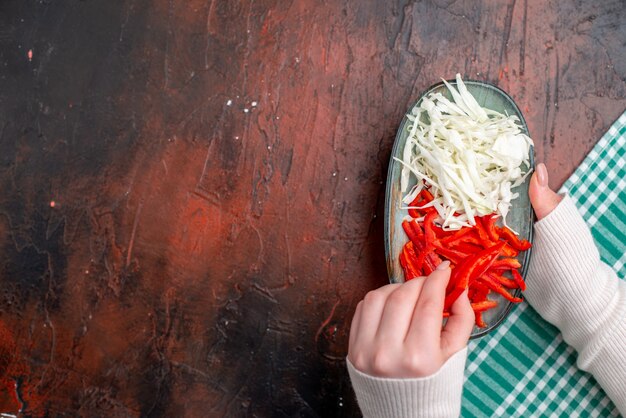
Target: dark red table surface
{"points": [[192, 192]]}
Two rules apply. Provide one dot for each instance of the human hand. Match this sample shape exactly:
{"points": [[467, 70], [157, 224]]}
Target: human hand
{"points": [[542, 198], [397, 329], [566, 281]]}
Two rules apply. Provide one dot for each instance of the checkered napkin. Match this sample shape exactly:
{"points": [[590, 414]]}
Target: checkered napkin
{"points": [[525, 368]]}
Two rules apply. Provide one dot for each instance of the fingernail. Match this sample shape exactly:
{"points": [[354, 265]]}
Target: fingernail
{"points": [[542, 175], [443, 265]]}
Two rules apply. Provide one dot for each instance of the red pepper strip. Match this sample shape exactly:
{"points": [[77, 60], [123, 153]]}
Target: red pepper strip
{"points": [[428, 196], [459, 279], [482, 234], [518, 279], [480, 288], [417, 230], [429, 266], [412, 268], [456, 236], [489, 222], [414, 213], [408, 264], [496, 287], [421, 249], [435, 258], [440, 233], [479, 319], [421, 259], [408, 230], [486, 259], [417, 248], [472, 238], [453, 255], [429, 224], [504, 281], [484, 305], [424, 197], [506, 264], [481, 292], [509, 251], [478, 307], [513, 240], [472, 267], [466, 247], [431, 262]]}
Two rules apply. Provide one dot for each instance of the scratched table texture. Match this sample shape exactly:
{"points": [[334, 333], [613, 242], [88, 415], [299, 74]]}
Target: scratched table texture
{"points": [[191, 192]]}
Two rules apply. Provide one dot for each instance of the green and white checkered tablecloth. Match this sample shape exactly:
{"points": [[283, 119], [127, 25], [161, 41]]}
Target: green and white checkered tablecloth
{"points": [[525, 369]]}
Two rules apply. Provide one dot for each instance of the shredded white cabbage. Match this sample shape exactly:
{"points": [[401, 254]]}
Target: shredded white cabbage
{"points": [[469, 156]]}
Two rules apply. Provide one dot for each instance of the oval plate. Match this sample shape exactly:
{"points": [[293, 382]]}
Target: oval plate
{"points": [[520, 217]]}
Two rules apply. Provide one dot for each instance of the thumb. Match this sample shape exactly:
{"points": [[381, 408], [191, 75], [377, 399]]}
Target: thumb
{"points": [[458, 329], [543, 199]]}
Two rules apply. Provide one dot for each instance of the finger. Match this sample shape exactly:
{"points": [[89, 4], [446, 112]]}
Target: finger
{"points": [[371, 312], [427, 316], [543, 199], [459, 327], [354, 326], [398, 311]]}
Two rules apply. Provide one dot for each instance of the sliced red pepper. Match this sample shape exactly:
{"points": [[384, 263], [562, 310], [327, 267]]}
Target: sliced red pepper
{"points": [[424, 197], [435, 258], [409, 231], [509, 251], [472, 267], [420, 260], [440, 233], [513, 240], [412, 268], [416, 236], [456, 236], [506, 264], [482, 234], [473, 238], [422, 249], [480, 287], [489, 222], [427, 195], [466, 247], [429, 224], [479, 319], [504, 281], [431, 262], [453, 255], [485, 259], [481, 292], [415, 213], [418, 231], [480, 256], [484, 305], [518, 279], [497, 287]]}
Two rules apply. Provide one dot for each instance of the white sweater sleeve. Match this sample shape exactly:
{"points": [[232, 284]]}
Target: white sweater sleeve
{"points": [[438, 395], [571, 288]]}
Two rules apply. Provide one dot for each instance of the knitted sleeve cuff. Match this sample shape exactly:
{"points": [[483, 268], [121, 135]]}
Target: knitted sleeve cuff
{"points": [[438, 395], [567, 283]]}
